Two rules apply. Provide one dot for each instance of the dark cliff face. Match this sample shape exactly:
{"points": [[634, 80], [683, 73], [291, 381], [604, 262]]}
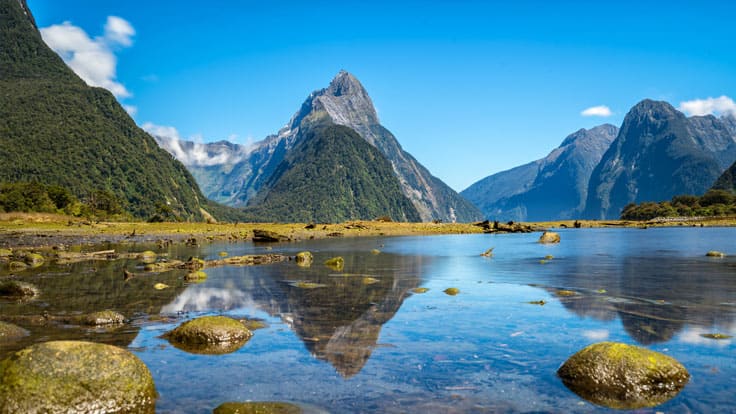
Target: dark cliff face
{"points": [[554, 187], [659, 153], [54, 129], [344, 102]]}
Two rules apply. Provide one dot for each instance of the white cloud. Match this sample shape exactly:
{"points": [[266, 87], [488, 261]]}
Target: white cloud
{"points": [[93, 60], [600, 110], [194, 152], [711, 106], [131, 109]]}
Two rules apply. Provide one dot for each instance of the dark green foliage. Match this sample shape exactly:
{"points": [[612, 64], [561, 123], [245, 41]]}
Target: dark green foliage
{"points": [[56, 130], [727, 180], [712, 203], [331, 175], [39, 198]]}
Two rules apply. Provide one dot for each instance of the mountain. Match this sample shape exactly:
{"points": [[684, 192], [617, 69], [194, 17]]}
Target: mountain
{"points": [[54, 129], [344, 102], [552, 188], [659, 153], [331, 175]]}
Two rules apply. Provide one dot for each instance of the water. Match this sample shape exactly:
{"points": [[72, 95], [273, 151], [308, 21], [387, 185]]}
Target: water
{"points": [[372, 345]]}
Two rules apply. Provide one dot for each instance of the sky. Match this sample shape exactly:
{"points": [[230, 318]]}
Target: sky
{"points": [[469, 88]]}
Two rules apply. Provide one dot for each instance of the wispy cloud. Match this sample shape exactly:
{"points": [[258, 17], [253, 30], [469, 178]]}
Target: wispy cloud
{"points": [[193, 152], [131, 109], [722, 105], [600, 110], [93, 60]]}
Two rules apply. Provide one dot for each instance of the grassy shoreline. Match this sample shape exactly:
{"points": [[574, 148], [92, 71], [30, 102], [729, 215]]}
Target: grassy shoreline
{"points": [[39, 230]]}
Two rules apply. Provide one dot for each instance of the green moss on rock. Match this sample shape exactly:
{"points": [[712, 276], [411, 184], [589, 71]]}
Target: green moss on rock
{"points": [[304, 259], [196, 276], [10, 332], [34, 259], [549, 237], [337, 263], [257, 407], [209, 335], [621, 376], [75, 376], [106, 317]]}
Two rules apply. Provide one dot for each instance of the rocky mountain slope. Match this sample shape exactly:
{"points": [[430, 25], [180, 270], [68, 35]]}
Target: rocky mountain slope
{"points": [[659, 153], [344, 102], [54, 129], [331, 175], [554, 187]]}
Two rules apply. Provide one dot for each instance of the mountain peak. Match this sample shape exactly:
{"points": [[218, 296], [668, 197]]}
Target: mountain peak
{"points": [[654, 109], [344, 83]]}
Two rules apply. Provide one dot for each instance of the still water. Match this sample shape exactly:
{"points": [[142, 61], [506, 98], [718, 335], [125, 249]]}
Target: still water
{"points": [[364, 341]]}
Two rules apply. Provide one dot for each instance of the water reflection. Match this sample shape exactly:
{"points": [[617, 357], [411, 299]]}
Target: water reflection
{"points": [[654, 298], [337, 315]]}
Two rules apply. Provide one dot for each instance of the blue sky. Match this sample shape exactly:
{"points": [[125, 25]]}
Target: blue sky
{"points": [[469, 88]]}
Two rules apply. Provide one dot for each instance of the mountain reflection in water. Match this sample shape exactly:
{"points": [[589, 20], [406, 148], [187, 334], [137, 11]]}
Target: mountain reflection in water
{"points": [[338, 316]]}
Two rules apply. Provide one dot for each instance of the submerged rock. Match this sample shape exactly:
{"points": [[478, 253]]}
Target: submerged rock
{"points": [[715, 253], [10, 332], [17, 290], [452, 291], [549, 237], [75, 376], [106, 317], [621, 376], [257, 407], [147, 257], [336, 263], [196, 276], [34, 259], [209, 335]]}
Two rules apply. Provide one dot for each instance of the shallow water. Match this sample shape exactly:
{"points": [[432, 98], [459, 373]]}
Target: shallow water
{"points": [[364, 342]]}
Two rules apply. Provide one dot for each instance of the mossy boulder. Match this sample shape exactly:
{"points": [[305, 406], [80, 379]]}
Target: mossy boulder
{"points": [[196, 276], [209, 335], [75, 376], [16, 266], [337, 263], [10, 332], [715, 253], [549, 237], [268, 236], [106, 317], [452, 291], [5, 253], [622, 376], [34, 259], [147, 257], [304, 259], [17, 290], [257, 407]]}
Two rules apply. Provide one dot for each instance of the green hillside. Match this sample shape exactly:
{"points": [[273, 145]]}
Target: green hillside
{"points": [[332, 175], [56, 130]]}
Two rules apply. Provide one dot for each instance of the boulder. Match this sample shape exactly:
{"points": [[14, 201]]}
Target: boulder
{"points": [[621, 376], [267, 236], [75, 376], [196, 276], [17, 290], [549, 237], [106, 317], [257, 407], [10, 332], [304, 259], [715, 253], [336, 263], [209, 335], [34, 259]]}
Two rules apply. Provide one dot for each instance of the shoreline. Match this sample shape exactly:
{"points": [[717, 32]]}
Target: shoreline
{"points": [[35, 230]]}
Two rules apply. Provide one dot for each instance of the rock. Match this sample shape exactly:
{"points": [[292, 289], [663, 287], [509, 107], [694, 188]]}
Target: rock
{"points": [[106, 317], [420, 290], [222, 254], [16, 266], [6, 253], [488, 253], [304, 259], [715, 253], [375, 251], [549, 237], [34, 259], [18, 290], [267, 236], [196, 276], [161, 286], [337, 263], [75, 376], [257, 407], [147, 257], [209, 335], [10, 332], [452, 291], [621, 376]]}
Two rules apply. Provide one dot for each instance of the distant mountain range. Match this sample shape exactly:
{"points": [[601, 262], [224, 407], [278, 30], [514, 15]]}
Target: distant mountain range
{"points": [[56, 130], [234, 174], [658, 153], [554, 187]]}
